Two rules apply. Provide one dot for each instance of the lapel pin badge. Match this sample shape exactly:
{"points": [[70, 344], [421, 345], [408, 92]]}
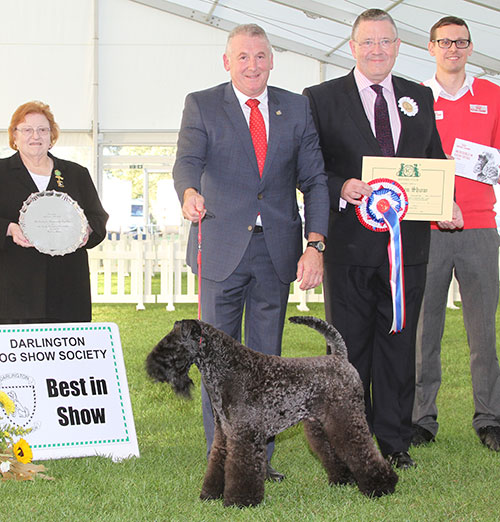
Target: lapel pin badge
{"points": [[408, 106], [278, 113]]}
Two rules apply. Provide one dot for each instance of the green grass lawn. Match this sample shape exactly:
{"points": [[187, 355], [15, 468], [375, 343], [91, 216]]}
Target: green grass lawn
{"points": [[456, 479]]}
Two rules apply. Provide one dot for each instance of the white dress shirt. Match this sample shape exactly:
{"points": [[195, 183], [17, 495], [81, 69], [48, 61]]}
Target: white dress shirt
{"points": [[368, 96], [263, 107], [264, 110]]}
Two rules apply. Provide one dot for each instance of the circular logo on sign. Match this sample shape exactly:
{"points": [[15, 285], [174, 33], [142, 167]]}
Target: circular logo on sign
{"points": [[21, 390]]}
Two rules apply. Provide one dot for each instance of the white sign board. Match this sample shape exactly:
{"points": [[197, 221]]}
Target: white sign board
{"points": [[69, 385]]}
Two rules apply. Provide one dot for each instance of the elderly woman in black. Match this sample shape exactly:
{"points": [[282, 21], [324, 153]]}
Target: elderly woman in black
{"points": [[37, 287]]}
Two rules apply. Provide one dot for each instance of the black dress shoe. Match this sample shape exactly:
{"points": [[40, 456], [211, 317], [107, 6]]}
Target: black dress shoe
{"points": [[490, 437], [401, 460], [273, 475], [421, 436]]}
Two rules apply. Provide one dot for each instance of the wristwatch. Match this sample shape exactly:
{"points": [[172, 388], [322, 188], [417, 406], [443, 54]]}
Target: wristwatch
{"points": [[318, 245]]}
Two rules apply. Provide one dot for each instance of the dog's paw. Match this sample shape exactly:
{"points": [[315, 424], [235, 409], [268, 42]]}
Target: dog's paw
{"points": [[204, 495], [243, 502]]}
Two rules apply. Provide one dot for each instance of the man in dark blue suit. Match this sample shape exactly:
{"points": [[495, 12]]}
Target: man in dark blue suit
{"points": [[245, 175], [358, 298]]}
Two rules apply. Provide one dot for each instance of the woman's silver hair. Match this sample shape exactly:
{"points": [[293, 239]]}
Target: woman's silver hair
{"points": [[249, 30], [374, 15]]}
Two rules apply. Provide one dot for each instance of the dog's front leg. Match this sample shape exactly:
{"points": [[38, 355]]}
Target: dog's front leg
{"points": [[245, 471], [213, 484]]}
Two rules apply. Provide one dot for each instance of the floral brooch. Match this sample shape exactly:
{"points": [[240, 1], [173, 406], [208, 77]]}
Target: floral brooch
{"points": [[59, 179], [408, 106]]}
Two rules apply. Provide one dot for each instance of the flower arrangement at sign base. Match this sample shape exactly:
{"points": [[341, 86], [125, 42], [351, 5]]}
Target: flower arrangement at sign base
{"points": [[15, 452]]}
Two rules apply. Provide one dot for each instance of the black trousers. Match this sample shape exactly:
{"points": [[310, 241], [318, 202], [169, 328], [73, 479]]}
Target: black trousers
{"points": [[358, 303]]}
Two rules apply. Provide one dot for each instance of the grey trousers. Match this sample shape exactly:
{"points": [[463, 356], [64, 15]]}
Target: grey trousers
{"points": [[474, 256], [256, 288]]}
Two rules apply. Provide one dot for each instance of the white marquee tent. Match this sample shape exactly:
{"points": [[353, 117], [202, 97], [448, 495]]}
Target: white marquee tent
{"points": [[116, 72]]}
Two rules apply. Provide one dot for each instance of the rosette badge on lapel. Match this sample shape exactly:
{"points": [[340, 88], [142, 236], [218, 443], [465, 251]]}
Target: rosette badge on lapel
{"points": [[382, 212], [408, 106]]}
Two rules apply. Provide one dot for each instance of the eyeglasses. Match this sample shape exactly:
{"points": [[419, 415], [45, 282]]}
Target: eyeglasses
{"points": [[385, 43], [29, 131], [446, 43]]}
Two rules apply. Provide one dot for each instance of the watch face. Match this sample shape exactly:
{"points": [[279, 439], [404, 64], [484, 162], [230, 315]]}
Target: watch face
{"points": [[318, 245]]}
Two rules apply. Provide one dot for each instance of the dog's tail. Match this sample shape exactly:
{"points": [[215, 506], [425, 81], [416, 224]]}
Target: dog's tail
{"points": [[330, 333]]}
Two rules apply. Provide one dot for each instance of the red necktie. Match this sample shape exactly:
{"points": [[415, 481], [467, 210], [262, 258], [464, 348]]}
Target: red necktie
{"points": [[258, 133], [382, 123]]}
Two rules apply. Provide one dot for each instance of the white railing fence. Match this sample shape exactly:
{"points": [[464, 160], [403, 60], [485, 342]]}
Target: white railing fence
{"points": [[152, 269]]}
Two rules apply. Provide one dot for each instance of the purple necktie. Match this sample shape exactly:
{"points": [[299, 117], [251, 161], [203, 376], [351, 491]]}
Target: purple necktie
{"points": [[382, 123]]}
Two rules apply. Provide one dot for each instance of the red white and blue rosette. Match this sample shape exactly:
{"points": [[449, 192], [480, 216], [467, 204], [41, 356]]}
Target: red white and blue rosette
{"points": [[382, 211], [386, 192]]}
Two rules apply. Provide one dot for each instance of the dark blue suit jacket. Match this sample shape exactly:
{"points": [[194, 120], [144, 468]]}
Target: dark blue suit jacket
{"points": [[215, 156]]}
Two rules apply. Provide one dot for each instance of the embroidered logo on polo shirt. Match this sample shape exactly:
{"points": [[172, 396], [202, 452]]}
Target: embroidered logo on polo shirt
{"points": [[479, 109], [439, 115]]}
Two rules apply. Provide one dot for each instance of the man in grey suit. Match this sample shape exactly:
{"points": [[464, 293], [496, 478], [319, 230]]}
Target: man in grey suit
{"points": [[239, 168]]}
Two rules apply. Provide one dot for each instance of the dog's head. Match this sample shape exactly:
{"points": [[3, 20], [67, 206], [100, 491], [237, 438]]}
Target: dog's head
{"points": [[172, 357]]}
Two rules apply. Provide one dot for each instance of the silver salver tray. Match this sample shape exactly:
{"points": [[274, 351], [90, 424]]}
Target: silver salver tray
{"points": [[53, 222]]}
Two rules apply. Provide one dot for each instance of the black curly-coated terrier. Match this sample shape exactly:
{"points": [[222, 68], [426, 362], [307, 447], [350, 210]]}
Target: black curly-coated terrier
{"points": [[256, 396]]}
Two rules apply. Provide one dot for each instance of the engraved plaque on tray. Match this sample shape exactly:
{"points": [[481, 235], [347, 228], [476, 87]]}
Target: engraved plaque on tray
{"points": [[53, 222]]}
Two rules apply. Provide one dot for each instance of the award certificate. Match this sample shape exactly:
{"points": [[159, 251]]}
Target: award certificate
{"points": [[53, 222], [429, 184]]}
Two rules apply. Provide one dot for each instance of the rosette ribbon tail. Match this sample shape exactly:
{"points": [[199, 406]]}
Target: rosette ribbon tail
{"points": [[395, 251]]}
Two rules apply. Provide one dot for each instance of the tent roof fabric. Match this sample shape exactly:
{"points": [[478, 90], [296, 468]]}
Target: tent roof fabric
{"points": [[111, 69], [321, 30]]}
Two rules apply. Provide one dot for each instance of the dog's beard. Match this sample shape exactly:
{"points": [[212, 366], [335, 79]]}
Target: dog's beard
{"points": [[165, 367]]}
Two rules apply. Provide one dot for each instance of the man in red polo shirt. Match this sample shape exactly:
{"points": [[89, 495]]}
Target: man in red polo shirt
{"points": [[466, 108]]}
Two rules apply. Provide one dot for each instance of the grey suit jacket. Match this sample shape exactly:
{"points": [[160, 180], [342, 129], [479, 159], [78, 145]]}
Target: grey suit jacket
{"points": [[215, 156]]}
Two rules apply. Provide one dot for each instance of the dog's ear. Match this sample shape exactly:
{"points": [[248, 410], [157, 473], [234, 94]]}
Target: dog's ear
{"points": [[191, 328], [179, 325]]}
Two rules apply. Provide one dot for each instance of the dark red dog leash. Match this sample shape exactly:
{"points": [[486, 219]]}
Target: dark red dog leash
{"points": [[208, 215], [199, 266]]}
